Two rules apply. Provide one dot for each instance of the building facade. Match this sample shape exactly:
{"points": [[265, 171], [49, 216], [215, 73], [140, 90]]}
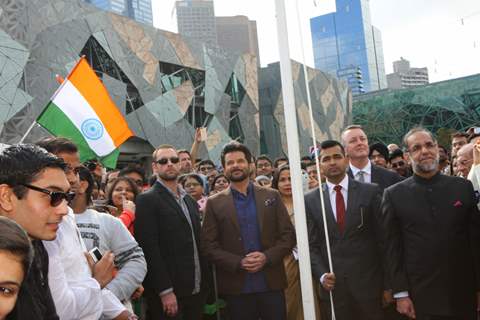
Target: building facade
{"points": [[346, 40], [238, 34], [138, 10], [196, 20], [404, 76]]}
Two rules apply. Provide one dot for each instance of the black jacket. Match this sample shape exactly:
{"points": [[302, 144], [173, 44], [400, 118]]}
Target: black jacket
{"points": [[357, 253], [165, 236], [35, 299], [433, 243], [382, 177]]}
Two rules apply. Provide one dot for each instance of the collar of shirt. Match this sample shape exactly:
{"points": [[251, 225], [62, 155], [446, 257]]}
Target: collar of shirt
{"points": [[181, 192], [237, 193], [343, 183], [367, 169]]}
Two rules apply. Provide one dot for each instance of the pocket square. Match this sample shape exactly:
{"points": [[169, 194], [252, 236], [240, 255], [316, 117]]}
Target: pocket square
{"points": [[270, 202], [458, 204]]}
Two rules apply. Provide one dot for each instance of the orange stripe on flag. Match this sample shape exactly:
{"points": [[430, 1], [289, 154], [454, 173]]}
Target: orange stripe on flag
{"points": [[92, 89]]}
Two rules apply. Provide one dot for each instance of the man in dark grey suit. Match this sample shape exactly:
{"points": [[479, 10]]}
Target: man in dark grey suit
{"points": [[354, 228], [360, 168]]}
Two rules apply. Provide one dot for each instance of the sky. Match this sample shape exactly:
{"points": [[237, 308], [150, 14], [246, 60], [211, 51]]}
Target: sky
{"points": [[439, 34]]}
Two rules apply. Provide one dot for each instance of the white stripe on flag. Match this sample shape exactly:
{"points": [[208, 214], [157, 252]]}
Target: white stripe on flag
{"points": [[79, 111]]}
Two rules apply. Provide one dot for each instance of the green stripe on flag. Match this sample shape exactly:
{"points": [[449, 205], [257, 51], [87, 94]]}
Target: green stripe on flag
{"points": [[58, 124]]}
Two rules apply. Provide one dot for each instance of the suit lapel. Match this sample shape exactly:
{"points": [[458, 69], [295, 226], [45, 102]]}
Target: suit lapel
{"points": [[171, 200], [331, 221], [260, 204], [377, 177]]}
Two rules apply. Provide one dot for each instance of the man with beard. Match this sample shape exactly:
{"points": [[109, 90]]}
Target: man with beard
{"points": [[432, 238], [247, 232], [167, 227]]}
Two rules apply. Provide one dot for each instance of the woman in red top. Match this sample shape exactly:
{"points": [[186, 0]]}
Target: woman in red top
{"points": [[122, 195]]}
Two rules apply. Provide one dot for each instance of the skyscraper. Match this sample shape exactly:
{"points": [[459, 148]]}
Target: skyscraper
{"points": [[346, 40], [196, 19], [139, 10], [238, 34], [404, 76]]}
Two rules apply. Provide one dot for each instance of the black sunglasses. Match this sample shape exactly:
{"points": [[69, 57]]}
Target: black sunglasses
{"points": [[56, 197], [173, 160]]}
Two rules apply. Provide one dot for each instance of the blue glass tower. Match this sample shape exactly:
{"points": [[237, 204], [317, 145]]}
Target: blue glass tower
{"points": [[346, 45], [139, 10]]}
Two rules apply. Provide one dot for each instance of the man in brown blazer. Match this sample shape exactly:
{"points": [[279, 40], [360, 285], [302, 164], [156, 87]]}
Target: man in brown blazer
{"points": [[247, 232]]}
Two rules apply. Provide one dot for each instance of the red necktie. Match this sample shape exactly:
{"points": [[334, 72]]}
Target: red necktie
{"points": [[340, 204]]}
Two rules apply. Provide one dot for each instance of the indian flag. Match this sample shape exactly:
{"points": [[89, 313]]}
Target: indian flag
{"points": [[82, 110]]}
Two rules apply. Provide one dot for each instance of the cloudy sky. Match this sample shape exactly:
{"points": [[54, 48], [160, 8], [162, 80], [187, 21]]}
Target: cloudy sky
{"points": [[439, 34]]}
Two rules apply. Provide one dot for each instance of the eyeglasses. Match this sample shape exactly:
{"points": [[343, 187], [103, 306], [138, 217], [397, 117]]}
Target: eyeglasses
{"points": [[192, 185], [398, 164], [173, 160], [139, 183], [56, 197], [74, 170]]}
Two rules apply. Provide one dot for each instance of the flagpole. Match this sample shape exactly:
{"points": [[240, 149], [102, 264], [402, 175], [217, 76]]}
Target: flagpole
{"points": [[316, 152], [294, 159], [28, 131]]}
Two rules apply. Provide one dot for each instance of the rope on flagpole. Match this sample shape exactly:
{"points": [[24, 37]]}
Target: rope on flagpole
{"points": [[316, 152]]}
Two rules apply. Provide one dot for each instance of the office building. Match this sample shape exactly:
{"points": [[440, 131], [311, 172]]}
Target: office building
{"points": [[404, 76], [196, 19], [346, 40], [238, 34], [138, 10]]}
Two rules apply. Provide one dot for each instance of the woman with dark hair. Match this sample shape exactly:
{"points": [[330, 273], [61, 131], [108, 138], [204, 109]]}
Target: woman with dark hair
{"points": [[16, 255], [219, 183], [194, 186], [122, 195], [293, 294]]}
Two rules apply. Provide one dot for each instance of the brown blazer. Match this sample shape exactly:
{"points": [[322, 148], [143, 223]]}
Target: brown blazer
{"points": [[222, 243]]}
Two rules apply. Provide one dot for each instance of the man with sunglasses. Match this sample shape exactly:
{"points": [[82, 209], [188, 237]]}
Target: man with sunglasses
{"points": [[79, 287], [33, 192], [167, 227], [399, 164]]}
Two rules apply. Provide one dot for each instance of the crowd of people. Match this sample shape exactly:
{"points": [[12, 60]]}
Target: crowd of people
{"points": [[78, 242]]}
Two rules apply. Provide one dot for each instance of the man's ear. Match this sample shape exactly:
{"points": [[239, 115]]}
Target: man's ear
{"points": [[7, 199], [83, 186]]}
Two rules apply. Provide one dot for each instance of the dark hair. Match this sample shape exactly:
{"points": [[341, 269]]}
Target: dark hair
{"points": [[275, 163], [264, 157], [116, 181], [91, 164], [395, 154], [459, 134], [218, 176], [57, 145], [416, 130], [443, 148], [132, 169], [14, 240], [234, 147], [86, 175], [311, 163], [380, 148], [276, 175], [327, 144], [309, 158], [193, 176], [22, 163], [206, 162]]}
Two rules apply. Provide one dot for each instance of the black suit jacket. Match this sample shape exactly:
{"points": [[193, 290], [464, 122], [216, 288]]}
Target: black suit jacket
{"points": [[357, 253], [382, 177], [433, 243], [165, 236]]}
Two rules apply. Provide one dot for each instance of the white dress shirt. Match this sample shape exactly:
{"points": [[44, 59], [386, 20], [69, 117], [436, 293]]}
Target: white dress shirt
{"points": [[333, 194], [367, 172]]}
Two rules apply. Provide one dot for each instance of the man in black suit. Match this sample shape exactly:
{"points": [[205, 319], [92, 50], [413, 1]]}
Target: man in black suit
{"points": [[167, 227], [354, 227], [355, 142], [432, 238]]}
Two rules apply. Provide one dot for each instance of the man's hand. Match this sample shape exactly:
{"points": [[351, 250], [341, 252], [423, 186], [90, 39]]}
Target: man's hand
{"points": [[169, 302], [405, 307], [138, 293], [328, 282], [387, 298], [102, 271], [198, 135], [254, 261]]}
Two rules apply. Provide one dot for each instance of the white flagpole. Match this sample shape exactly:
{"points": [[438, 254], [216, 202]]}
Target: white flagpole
{"points": [[294, 159], [28, 131], [316, 152]]}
